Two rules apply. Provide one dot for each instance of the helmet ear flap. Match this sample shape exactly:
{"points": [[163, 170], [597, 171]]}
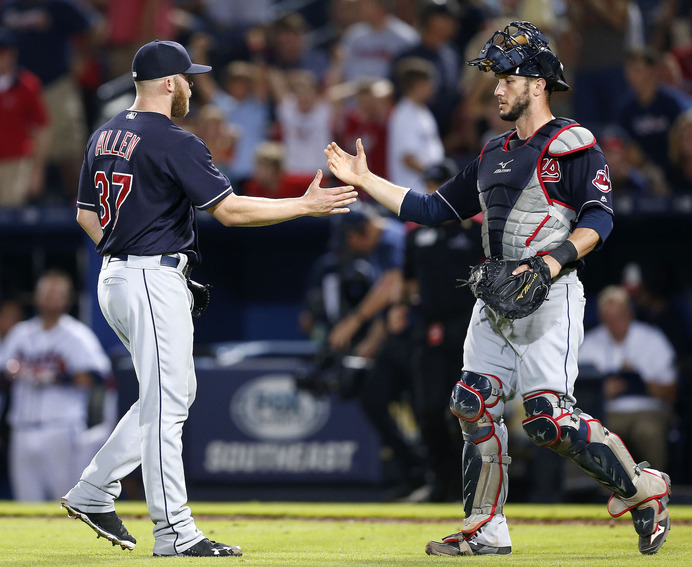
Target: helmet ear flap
{"points": [[545, 60], [550, 69]]}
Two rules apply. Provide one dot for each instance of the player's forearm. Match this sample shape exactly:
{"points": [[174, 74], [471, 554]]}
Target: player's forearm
{"points": [[91, 224], [584, 240], [238, 210], [579, 244], [384, 191]]}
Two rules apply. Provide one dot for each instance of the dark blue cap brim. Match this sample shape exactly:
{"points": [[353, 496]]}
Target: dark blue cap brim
{"points": [[196, 69]]}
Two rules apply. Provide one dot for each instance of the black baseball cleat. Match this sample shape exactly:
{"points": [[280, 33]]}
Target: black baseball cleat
{"points": [[207, 548], [456, 544], [106, 524]]}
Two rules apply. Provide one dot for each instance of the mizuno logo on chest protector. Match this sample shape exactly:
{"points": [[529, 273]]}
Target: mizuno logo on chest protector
{"points": [[503, 167]]}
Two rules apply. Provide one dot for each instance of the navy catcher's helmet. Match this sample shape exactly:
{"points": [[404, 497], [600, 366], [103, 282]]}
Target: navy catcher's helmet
{"points": [[522, 49]]}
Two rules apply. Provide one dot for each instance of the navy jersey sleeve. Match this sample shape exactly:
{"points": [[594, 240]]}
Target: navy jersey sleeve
{"points": [[189, 164], [86, 196], [461, 192], [588, 180]]}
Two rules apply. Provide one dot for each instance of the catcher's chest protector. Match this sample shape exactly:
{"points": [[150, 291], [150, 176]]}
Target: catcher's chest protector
{"points": [[520, 217]]}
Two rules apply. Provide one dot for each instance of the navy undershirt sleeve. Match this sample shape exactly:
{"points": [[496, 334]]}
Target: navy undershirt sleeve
{"points": [[425, 208], [598, 219]]}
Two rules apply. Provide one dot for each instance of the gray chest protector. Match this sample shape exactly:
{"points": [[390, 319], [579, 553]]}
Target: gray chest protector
{"points": [[520, 218]]}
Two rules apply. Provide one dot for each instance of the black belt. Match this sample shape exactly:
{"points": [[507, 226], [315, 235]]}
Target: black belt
{"points": [[166, 260]]}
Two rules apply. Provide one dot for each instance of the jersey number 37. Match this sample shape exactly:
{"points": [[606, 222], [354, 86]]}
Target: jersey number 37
{"points": [[123, 183]]}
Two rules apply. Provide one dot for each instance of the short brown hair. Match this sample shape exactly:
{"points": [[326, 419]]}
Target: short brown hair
{"points": [[411, 71]]}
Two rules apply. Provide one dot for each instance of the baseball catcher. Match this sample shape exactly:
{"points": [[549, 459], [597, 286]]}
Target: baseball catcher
{"points": [[545, 193]]}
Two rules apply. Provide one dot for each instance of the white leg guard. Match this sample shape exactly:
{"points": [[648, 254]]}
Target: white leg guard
{"points": [[552, 423]]}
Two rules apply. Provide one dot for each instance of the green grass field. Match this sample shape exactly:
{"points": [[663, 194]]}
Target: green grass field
{"points": [[288, 534]]}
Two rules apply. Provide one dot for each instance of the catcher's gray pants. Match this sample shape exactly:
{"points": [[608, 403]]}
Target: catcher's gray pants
{"points": [[533, 354], [148, 306]]}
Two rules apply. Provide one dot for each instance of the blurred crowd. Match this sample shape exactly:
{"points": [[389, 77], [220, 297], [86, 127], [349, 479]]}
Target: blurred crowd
{"points": [[290, 77], [287, 81]]}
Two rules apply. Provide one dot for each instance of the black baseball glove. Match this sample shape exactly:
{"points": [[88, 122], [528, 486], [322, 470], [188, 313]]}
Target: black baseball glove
{"points": [[200, 297], [511, 296]]}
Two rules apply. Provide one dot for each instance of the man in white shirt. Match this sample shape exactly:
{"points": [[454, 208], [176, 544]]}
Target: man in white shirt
{"points": [[638, 363], [414, 143], [369, 46]]}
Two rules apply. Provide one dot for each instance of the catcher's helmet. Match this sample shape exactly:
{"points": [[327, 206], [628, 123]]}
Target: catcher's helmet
{"points": [[522, 49]]}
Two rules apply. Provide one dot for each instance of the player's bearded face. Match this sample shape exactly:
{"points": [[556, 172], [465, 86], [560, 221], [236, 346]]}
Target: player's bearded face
{"points": [[181, 100], [515, 104]]}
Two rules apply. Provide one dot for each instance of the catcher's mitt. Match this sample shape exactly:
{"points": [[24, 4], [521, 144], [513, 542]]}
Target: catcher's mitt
{"points": [[200, 297], [511, 296]]}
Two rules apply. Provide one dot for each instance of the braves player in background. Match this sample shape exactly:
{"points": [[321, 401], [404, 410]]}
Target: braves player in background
{"points": [[544, 190], [53, 363], [141, 181]]}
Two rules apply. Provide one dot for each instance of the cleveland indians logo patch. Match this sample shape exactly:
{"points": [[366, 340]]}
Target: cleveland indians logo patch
{"points": [[550, 171], [602, 180]]}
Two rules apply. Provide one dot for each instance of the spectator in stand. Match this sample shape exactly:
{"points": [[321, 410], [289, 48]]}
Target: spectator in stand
{"points": [[23, 129], [305, 120], [605, 31], [369, 121], [210, 124], [232, 14], [237, 28], [638, 363], [269, 178], [649, 114], [244, 100], [438, 27], [413, 140], [680, 151], [53, 36], [288, 47], [131, 24], [368, 47]]}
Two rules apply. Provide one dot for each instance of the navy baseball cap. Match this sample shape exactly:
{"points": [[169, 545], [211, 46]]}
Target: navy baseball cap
{"points": [[162, 59]]}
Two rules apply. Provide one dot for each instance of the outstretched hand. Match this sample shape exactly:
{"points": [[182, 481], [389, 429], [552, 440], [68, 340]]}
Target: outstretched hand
{"points": [[328, 200], [349, 168]]}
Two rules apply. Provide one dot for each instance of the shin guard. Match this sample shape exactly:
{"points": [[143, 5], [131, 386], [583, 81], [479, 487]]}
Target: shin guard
{"points": [[551, 422], [485, 459], [485, 462]]}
